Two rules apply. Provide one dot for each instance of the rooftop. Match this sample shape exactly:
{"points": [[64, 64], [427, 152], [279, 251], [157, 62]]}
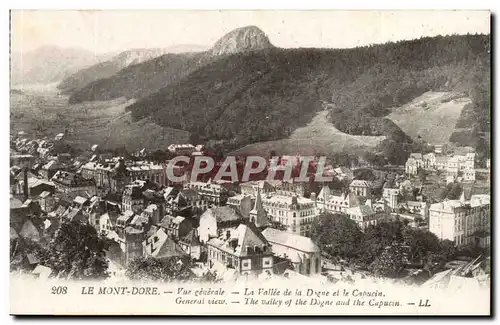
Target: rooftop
{"points": [[160, 245], [361, 183], [283, 238], [360, 210], [223, 214], [236, 240]]}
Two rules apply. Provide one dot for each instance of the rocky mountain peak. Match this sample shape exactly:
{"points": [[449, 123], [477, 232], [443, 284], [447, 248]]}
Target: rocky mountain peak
{"points": [[243, 39]]}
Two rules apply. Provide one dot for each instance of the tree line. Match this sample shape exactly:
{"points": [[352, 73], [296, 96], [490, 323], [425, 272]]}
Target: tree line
{"points": [[384, 249]]}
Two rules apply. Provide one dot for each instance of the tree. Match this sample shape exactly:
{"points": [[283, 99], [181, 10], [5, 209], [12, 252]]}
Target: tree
{"points": [[396, 153], [405, 195], [448, 249], [159, 156], [455, 191], [377, 238], [422, 175], [390, 262], [167, 269], [374, 159], [470, 250], [452, 191], [76, 251], [337, 235], [421, 243]]}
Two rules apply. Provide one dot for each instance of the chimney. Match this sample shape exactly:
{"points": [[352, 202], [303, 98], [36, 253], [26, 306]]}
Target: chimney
{"points": [[234, 244], [25, 185]]}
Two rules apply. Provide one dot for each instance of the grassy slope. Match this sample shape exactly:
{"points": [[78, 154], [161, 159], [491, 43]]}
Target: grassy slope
{"points": [[318, 136], [433, 116]]}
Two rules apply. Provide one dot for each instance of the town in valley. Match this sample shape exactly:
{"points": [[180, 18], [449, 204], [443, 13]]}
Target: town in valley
{"points": [[388, 146], [134, 216]]}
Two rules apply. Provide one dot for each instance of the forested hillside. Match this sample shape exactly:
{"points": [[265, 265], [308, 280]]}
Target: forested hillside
{"points": [[141, 79], [265, 95]]}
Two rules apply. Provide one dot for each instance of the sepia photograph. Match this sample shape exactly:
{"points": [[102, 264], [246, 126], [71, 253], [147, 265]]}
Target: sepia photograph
{"points": [[250, 162]]}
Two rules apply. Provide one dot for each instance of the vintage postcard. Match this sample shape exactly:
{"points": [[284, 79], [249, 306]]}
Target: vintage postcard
{"points": [[250, 162]]}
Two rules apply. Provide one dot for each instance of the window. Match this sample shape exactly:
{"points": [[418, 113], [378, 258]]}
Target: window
{"points": [[245, 264], [266, 262]]}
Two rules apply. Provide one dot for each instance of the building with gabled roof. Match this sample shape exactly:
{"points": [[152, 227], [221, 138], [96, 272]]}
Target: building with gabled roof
{"points": [[361, 187], [74, 214], [242, 202], [81, 201], [335, 202], [301, 251], [179, 227], [215, 220], [187, 202], [243, 249], [30, 231], [49, 169], [160, 245], [191, 244], [365, 216]]}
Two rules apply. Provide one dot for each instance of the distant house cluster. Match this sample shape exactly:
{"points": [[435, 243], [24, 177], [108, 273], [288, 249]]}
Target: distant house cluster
{"points": [[457, 166]]}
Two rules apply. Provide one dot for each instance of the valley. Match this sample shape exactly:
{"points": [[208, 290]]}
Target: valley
{"points": [[42, 112]]}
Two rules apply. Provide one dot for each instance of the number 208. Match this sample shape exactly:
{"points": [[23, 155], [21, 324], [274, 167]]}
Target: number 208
{"points": [[59, 290]]}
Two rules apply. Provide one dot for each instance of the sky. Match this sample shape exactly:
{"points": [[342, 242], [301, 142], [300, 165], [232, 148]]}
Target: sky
{"points": [[104, 31]]}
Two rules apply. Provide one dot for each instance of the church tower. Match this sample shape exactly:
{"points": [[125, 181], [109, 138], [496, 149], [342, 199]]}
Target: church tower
{"points": [[258, 215]]}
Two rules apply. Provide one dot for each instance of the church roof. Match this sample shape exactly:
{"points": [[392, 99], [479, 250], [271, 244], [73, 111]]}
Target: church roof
{"points": [[283, 238]]}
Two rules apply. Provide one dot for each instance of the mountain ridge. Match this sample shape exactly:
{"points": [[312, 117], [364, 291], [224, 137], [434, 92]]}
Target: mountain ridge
{"points": [[241, 40], [122, 60], [50, 63], [265, 95]]}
